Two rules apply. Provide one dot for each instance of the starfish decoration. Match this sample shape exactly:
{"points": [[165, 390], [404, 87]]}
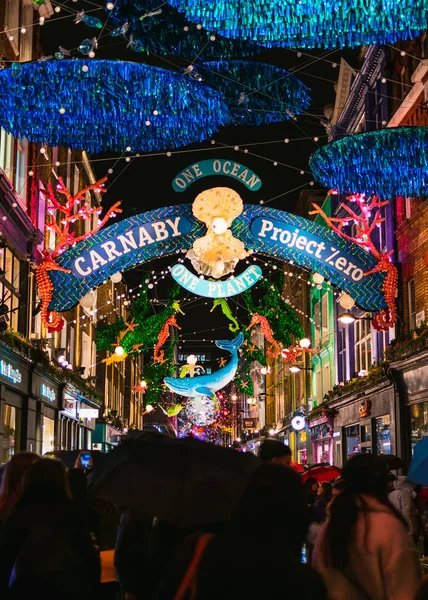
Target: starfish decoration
{"points": [[136, 347], [221, 362], [131, 326], [245, 384], [251, 348]]}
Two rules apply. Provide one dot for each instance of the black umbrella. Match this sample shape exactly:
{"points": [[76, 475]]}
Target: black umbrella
{"points": [[182, 481], [394, 462]]}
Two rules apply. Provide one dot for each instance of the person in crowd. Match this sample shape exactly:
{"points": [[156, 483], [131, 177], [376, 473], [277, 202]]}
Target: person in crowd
{"points": [[271, 519], [364, 551], [338, 487], [391, 479], [12, 481], [46, 549], [76, 480], [325, 493], [311, 487], [273, 451], [403, 498]]}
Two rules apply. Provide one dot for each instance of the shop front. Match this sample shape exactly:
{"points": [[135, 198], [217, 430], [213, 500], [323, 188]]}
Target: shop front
{"points": [[77, 420], [106, 437], [45, 393], [322, 430], [14, 401], [364, 422]]}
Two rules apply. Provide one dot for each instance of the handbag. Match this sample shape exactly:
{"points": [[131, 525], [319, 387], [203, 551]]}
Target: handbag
{"points": [[189, 581]]}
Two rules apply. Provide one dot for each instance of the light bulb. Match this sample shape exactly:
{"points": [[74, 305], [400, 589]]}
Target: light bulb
{"points": [[294, 369], [346, 318], [119, 351], [305, 343], [61, 359]]}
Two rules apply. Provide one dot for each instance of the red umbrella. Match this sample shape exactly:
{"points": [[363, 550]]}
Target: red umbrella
{"points": [[297, 467], [322, 473]]}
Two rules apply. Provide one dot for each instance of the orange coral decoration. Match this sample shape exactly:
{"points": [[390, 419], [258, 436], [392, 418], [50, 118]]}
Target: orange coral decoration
{"points": [[387, 317], [158, 355], [75, 208], [273, 349]]}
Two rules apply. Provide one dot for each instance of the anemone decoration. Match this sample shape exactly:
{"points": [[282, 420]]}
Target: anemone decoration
{"points": [[310, 23], [108, 105]]}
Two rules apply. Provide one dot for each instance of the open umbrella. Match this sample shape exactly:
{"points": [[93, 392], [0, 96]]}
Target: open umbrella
{"points": [[394, 462], [297, 467], [182, 481], [418, 472], [322, 473]]}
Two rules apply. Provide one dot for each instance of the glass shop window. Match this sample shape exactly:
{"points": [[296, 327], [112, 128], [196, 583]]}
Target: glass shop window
{"points": [[418, 422], [383, 435], [353, 440], [11, 433]]}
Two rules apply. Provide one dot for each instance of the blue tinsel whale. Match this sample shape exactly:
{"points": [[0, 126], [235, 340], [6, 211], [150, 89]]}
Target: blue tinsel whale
{"points": [[206, 385]]}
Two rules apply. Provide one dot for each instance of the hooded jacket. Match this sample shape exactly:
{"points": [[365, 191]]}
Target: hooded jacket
{"points": [[402, 498]]}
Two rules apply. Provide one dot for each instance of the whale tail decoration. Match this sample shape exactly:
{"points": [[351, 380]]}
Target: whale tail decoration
{"points": [[231, 345]]}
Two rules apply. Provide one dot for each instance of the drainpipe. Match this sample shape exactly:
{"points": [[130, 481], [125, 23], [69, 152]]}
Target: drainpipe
{"points": [[401, 416]]}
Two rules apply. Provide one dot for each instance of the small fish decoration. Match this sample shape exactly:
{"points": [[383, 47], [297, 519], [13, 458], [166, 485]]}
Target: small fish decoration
{"points": [[242, 98], [150, 14]]}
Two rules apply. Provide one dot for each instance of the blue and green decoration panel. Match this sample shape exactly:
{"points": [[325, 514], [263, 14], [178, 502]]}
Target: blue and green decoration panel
{"points": [[310, 23], [172, 230]]}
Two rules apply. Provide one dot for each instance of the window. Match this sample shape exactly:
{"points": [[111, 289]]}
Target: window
{"points": [[7, 144], [21, 170], [408, 205], [86, 354], [9, 290], [412, 303], [418, 422], [326, 379], [324, 318], [317, 322], [48, 435], [383, 435], [342, 352], [352, 439], [363, 344], [11, 431], [318, 381]]}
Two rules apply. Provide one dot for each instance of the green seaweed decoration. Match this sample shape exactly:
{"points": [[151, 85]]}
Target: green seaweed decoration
{"points": [[143, 337]]}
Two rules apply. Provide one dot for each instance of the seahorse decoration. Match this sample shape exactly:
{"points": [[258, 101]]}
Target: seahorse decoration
{"points": [[158, 355], [51, 319], [234, 325], [387, 317], [273, 349]]}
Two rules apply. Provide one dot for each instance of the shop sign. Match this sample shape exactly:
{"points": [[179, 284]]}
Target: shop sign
{"points": [[216, 289], [47, 392], [88, 413], [365, 408], [298, 423], [250, 423], [217, 166], [69, 406], [8, 371]]}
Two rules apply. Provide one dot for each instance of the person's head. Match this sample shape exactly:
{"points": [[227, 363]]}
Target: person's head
{"points": [[273, 451], [338, 487], [47, 478], [76, 479], [365, 479], [84, 461], [13, 480], [274, 503], [325, 490], [311, 485]]}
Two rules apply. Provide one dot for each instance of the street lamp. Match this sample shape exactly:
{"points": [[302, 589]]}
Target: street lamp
{"points": [[294, 369], [346, 318]]}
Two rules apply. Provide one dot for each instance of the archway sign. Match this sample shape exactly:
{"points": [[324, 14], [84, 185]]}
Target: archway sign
{"points": [[173, 230]]}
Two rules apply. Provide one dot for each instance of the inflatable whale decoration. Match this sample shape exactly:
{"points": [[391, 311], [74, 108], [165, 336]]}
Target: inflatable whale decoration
{"points": [[207, 385]]}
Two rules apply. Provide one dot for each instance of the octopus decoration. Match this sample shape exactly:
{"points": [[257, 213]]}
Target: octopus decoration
{"points": [[365, 226], [273, 349], [218, 251], [76, 208]]}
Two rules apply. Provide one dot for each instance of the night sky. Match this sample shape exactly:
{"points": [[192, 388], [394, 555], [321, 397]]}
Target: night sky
{"points": [[145, 182]]}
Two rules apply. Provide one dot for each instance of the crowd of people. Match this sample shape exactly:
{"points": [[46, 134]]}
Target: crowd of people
{"points": [[360, 532]]}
